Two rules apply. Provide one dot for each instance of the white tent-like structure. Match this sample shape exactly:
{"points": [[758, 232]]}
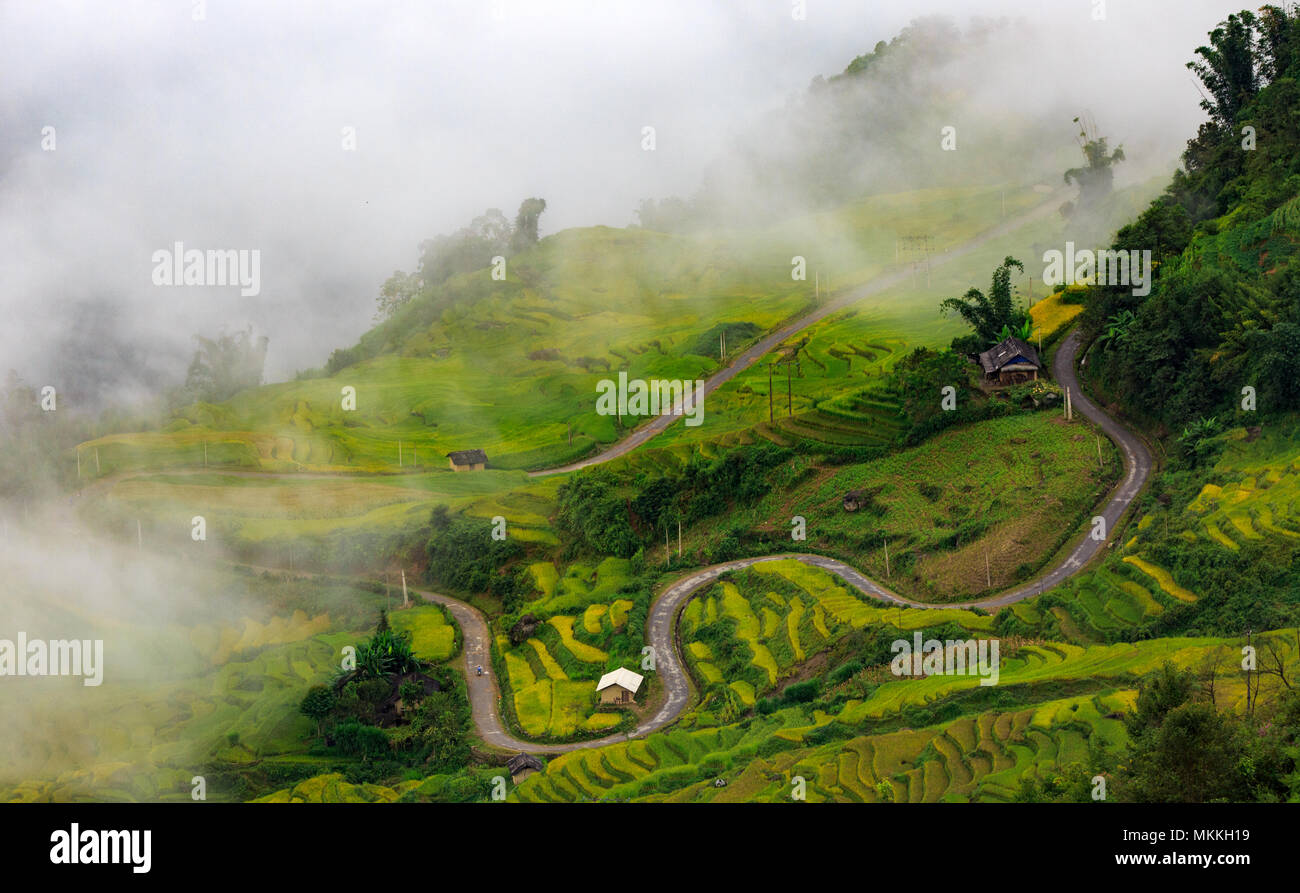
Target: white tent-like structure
{"points": [[618, 686]]}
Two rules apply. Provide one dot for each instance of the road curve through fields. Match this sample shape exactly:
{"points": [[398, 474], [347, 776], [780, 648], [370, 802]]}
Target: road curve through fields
{"points": [[658, 424], [662, 620]]}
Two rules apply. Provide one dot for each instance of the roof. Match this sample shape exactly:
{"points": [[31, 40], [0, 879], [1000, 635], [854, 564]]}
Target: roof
{"points": [[467, 457], [521, 761], [1007, 353], [622, 677]]}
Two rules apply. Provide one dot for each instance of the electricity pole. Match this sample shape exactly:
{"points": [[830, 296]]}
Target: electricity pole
{"points": [[787, 362], [769, 393]]}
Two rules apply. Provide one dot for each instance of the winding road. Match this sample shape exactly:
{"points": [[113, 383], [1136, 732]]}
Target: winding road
{"points": [[662, 620], [880, 283]]}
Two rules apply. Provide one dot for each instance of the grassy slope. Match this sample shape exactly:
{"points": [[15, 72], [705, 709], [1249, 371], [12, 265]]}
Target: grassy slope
{"points": [[629, 298], [146, 732]]}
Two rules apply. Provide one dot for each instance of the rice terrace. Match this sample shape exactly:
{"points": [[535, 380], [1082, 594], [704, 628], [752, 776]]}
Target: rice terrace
{"points": [[836, 472]]}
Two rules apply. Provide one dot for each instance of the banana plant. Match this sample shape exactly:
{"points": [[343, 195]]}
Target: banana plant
{"points": [[1024, 331], [1119, 328]]}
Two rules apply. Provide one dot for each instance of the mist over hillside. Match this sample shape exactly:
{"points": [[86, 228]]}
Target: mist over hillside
{"points": [[216, 135], [692, 403]]}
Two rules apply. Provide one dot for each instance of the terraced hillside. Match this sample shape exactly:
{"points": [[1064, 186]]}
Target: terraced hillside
{"points": [[579, 632], [1257, 494], [507, 366], [972, 511], [323, 521], [184, 693]]}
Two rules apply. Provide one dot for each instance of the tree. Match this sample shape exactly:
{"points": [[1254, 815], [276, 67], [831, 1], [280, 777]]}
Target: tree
{"points": [[224, 366], [396, 292], [525, 235], [1096, 178], [1227, 67], [1192, 756], [1024, 331], [466, 250], [1119, 329], [1181, 750], [411, 692], [1158, 693], [987, 315], [318, 703]]}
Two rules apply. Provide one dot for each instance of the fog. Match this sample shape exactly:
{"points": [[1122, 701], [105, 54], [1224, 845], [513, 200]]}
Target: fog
{"points": [[227, 132], [232, 132]]}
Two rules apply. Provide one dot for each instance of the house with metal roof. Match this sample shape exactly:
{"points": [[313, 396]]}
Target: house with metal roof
{"points": [[618, 686]]}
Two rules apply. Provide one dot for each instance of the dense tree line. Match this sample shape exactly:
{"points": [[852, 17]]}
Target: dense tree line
{"points": [[604, 513], [463, 556], [1224, 311]]}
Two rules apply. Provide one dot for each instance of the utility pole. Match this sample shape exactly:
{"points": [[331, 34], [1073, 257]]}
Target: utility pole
{"points": [[205, 454], [1100, 464], [988, 576], [886, 558], [787, 362], [97, 460], [399, 454], [679, 536], [769, 393], [406, 599]]}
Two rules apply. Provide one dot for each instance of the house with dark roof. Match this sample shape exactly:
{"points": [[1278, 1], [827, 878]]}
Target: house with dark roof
{"points": [[467, 460], [521, 765], [1010, 362]]}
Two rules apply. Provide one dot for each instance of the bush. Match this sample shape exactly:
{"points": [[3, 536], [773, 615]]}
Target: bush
{"points": [[801, 692], [357, 739]]}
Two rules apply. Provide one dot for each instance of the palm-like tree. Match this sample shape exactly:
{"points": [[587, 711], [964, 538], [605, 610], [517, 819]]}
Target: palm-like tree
{"points": [[1024, 331], [989, 314], [1095, 178], [1118, 331]]}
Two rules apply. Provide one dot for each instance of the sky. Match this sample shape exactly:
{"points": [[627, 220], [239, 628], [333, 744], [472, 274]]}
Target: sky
{"points": [[221, 125]]}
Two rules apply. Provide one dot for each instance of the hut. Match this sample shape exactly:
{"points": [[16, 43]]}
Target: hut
{"points": [[521, 765], [467, 460], [618, 686], [1011, 361]]}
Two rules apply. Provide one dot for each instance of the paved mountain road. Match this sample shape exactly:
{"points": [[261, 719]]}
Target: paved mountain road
{"points": [[661, 623], [658, 424]]}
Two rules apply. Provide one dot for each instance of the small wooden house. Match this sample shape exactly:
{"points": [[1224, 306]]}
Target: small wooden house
{"points": [[853, 500], [467, 460], [618, 686], [521, 765], [1010, 362]]}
